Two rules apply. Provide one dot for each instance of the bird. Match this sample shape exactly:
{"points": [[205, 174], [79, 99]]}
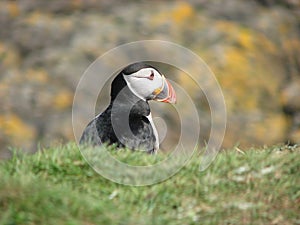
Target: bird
{"points": [[127, 121]]}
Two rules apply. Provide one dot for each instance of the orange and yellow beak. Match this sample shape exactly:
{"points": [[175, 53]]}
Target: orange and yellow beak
{"points": [[166, 93]]}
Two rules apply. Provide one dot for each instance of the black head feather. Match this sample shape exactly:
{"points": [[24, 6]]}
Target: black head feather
{"points": [[132, 68], [119, 83]]}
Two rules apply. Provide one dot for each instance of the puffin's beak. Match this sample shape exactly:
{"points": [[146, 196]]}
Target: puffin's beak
{"points": [[166, 93]]}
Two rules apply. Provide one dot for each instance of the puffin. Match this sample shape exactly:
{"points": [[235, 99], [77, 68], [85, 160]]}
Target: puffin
{"points": [[127, 121]]}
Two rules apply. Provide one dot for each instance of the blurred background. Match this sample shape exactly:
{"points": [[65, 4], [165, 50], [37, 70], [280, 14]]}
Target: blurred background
{"points": [[252, 46]]}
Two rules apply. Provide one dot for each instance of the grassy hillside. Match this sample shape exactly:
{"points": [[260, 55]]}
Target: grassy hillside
{"points": [[57, 186]]}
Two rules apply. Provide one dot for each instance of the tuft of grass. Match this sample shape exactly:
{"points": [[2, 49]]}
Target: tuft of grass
{"points": [[57, 186]]}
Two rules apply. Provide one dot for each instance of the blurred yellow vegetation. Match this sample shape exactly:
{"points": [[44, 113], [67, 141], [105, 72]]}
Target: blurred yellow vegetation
{"points": [[243, 70], [233, 32], [291, 50], [15, 129], [187, 82], [231, 29], [285, 28], [236, 61], [262, 42], [237, 81], [182, 12], [248, 69], [268, 128], [295, 136], [9, 57], [63, 100], [37, 75], [245, 39], [46, 20], [291, 45], [76, 3], [36, 17], [4, 88], [13, 8]]}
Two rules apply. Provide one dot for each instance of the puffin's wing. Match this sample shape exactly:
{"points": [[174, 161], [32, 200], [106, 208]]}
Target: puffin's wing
{"points": [[90, 135]]}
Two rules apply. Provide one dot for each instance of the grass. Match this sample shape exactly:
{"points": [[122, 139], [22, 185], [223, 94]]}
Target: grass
{"points": [[57, 186]]}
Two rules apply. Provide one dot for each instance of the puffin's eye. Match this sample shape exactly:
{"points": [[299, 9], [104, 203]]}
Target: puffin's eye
{"points": [[151, 76]]}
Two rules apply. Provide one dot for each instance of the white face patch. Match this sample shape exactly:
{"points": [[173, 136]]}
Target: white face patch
{"points": [[144, 82]]}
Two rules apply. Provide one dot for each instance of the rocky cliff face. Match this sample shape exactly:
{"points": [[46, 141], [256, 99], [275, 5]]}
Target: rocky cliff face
{"points": [[253, 47]]}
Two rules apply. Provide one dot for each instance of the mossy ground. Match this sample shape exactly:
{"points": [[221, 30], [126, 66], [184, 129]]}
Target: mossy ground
{"points": [[57, 186]]}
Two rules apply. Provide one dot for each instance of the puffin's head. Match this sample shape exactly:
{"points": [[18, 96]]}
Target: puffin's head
{"points": [[147, 83]]}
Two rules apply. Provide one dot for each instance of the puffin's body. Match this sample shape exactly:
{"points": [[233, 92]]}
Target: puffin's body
{"points": [[127, 121]]}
